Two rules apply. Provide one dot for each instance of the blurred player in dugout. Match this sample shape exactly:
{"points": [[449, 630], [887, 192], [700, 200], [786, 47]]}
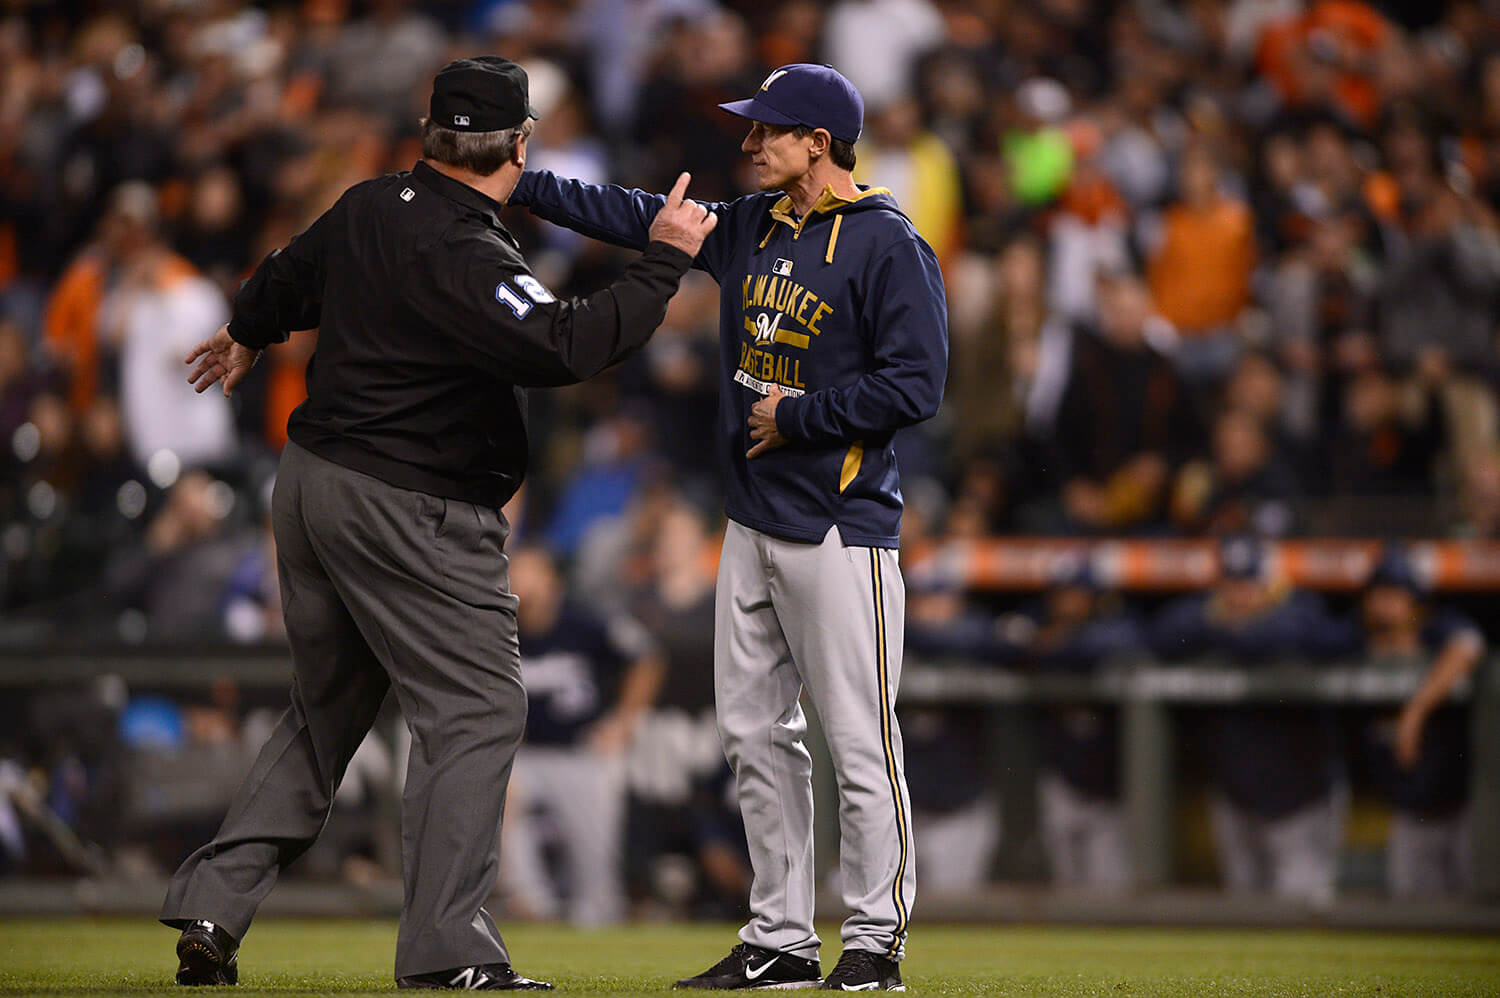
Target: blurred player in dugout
{"points": [[1418, 754], [589, 682], [1280, 791]]}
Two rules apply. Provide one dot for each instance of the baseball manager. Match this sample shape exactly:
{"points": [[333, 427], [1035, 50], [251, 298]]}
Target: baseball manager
{"points": [[833, 335]]}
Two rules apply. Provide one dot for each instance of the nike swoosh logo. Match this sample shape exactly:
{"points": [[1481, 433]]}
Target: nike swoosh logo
{"points": [[752, 975]]}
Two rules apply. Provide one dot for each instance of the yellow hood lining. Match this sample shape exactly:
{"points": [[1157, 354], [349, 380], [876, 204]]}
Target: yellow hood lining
{"points": [[827, 202]]}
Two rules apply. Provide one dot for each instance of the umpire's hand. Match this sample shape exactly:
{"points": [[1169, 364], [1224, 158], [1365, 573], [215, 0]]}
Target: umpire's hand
{"points": [[220, 359], [683, 224]]}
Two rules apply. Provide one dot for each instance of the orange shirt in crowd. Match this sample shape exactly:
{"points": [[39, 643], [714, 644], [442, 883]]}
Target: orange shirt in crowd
{"points": [[1200, 275], [286, 383], [1348, 31], [70, 326]]}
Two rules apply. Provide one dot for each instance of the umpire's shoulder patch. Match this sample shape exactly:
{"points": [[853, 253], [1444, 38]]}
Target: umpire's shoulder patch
{"points": [[534, 289]]}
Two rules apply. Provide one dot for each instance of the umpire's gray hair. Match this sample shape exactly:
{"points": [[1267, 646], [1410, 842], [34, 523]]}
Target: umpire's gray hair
{"points": [[478, 152]]}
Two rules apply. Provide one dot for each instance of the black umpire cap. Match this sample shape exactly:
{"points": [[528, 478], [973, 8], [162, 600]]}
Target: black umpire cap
{"points": [[483, 94]]}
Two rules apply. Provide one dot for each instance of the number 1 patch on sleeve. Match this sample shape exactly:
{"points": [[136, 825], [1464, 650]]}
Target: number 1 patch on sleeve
{"points": [[533, 288], [507, 295]]}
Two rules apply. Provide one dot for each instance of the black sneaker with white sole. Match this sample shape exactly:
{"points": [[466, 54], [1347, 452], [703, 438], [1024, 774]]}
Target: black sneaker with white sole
{"points": [[860, 970], [207, 955], [488, 977], [749, 966]]}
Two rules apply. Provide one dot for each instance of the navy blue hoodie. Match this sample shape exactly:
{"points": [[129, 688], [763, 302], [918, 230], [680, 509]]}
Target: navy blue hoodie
{"points": [[844, 309]]}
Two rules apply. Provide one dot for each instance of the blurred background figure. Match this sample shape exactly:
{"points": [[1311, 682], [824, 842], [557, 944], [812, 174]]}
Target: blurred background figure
{"points": [[1279, 793], [1200, 270], [1420, 754], [589, 681], [1244, 486], [1124, 420], [159, 308], [685, 844], [955, 810], [1078, 629]]}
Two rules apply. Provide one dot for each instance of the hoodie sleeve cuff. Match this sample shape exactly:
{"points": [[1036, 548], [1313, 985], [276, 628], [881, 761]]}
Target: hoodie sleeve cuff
{"points": [[789, 418]]}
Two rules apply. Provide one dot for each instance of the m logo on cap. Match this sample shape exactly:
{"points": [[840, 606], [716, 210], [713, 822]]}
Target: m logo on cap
{"points": [[461, 119], [773, 78]]}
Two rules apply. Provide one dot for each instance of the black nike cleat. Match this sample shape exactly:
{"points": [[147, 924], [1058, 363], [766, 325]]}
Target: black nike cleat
{"points": [[487, 977], [749, 966], [861, 970], [207, 955]]}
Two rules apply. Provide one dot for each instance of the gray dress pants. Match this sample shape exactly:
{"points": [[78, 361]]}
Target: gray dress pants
{"points": [[381, 587]]}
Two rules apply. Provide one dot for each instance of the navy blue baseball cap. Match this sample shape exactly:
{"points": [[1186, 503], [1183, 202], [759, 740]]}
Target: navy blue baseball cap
{"points": [[1075, 570], [806, 94], [1395, 569], [1243, 557]]}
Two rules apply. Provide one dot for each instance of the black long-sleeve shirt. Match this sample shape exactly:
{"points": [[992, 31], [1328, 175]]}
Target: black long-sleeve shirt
{"points": [[430, 327]]}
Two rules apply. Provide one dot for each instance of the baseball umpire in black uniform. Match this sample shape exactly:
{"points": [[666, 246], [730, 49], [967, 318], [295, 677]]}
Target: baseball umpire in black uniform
{"points": [[387, 517]]}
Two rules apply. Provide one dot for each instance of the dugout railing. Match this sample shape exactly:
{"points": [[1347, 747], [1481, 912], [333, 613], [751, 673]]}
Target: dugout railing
{"points": [[1149, 696]]}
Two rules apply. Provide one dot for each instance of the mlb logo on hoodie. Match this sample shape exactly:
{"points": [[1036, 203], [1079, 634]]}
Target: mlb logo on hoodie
{"points": [[782, 268]]}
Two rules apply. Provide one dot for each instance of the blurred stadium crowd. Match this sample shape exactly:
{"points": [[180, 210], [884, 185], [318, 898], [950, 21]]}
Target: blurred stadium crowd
{"points": [[1222, 269]]}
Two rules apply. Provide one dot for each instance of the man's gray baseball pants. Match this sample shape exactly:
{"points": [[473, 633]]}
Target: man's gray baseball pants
{"points": [[381, 586], [828, 617]]}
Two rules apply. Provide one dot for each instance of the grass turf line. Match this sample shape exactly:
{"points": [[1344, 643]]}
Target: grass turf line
{"points": [[97, 957]]}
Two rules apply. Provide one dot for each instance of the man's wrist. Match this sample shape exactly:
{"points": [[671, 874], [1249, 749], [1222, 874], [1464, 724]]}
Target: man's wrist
{"points": [[788, 423], [241, 335]]}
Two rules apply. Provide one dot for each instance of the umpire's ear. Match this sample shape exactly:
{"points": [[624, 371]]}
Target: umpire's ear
{"points": [[518, 154]]}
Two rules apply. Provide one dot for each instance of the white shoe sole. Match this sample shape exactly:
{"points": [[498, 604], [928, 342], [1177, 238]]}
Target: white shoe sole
{"points": [[872, 987], [788, 986]]}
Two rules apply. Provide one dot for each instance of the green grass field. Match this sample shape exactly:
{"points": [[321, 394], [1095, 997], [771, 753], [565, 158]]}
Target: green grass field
{"points": [[282, 957]]}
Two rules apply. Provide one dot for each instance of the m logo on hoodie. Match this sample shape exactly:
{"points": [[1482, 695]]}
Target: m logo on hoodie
{"points": [[766, 327]]}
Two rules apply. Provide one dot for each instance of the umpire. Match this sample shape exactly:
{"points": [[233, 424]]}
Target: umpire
{"points": [[390, 540]]}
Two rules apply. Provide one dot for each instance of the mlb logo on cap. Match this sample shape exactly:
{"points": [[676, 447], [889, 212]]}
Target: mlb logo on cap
{"points": [[483, 94]]}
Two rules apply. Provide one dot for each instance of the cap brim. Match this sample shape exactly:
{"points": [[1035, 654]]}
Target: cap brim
{"points": [[756, 111], [531, 113]]}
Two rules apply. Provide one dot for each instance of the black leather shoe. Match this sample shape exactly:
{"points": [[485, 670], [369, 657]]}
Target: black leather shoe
{"points": [[206, 954], [488, 977]]}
